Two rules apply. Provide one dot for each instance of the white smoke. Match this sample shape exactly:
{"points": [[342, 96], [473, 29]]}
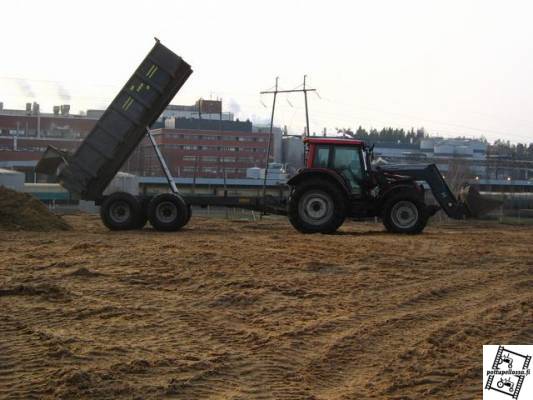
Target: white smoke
{"points": [[63, 93], [25, 88], [234, 107]]}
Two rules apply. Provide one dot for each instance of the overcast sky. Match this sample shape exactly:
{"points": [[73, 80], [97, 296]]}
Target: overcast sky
{"points": [[454, 67]]}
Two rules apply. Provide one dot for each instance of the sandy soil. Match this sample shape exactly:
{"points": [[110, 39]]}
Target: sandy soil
{"points": [[254, 310]]}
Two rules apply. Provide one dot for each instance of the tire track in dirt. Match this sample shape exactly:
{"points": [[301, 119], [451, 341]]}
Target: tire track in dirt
{"points": [[256, 311]]}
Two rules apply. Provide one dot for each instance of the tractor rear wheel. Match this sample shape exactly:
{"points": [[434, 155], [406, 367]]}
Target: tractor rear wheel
{"points": [[317, 206], [168, 212], [405, 213], [121, 211]]}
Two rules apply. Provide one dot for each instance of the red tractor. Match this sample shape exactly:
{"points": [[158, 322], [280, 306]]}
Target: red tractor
{"points": [[340, 182]]}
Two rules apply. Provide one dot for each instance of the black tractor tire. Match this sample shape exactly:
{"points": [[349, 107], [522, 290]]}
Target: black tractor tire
{"points": [[121, 211], [317, 206], [168, 212], [404, 212]]}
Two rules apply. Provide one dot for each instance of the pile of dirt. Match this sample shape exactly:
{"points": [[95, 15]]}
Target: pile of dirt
{"points": [[21, 211]]}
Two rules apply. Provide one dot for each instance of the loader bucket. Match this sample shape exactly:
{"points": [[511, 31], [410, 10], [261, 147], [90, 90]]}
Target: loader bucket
{"points": [[477, 204]]}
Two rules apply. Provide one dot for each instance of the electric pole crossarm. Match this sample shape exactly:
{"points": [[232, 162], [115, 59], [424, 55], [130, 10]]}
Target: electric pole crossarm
{"points": [[287, 91]]}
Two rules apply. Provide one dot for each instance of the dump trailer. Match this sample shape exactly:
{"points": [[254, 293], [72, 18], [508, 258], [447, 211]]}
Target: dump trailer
{"points": [[88, 171], [122, 126], [338, 181]]}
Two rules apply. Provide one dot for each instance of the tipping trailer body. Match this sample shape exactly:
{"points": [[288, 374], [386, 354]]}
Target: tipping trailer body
{"points": [[122, 126]]}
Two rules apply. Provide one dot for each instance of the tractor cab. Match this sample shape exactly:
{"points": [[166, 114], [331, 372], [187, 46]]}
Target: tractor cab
{"points": [[349, 158]]}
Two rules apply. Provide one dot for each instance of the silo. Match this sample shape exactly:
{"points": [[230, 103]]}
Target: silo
{"points": [[293, 153]]}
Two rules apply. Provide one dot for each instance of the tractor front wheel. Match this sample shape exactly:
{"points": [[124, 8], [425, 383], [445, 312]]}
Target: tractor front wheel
{"points": [[404, 213], [317, 206]]}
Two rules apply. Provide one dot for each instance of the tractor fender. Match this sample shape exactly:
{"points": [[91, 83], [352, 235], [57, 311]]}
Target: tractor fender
{"points": [[323, 173], [407, 187]]}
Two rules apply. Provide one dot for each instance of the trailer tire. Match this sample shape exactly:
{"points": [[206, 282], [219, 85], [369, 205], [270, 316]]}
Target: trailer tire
{"points": [[404, 213], [317, 206], [168, 212], [120, 211]]}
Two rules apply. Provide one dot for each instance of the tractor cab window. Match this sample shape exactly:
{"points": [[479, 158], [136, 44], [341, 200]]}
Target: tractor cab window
{"points": [[321, 157], [347, 161]]}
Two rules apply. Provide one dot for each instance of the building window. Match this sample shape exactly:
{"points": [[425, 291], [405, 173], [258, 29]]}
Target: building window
{"points": [[191, 137]]}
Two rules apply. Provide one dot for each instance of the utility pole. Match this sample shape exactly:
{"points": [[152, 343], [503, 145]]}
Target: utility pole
{"points": [[306, 108], [275, 92]]}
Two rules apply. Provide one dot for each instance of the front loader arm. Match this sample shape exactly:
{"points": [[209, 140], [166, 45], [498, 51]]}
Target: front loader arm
{"points": [[441, 191]]}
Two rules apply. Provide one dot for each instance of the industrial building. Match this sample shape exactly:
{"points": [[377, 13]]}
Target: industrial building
{"points": [[203, 152], [201, 141], [205, 145], [197, 140]]}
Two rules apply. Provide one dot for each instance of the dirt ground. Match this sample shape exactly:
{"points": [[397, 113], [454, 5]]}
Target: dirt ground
{"points": [[254, 310]]}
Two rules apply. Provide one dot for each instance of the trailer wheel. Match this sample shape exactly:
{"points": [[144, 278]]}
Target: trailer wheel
{"points": [[404, 213], [120, 211], [168, 212], [317, 206]]}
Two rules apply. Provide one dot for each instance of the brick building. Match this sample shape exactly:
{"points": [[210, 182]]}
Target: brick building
{"points": [[198, 140], [202, 148], [25, 134]]}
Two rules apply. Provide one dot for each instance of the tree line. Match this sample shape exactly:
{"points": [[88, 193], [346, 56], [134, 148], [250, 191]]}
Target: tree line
{"points": [[500, 148], [386, 135]]}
